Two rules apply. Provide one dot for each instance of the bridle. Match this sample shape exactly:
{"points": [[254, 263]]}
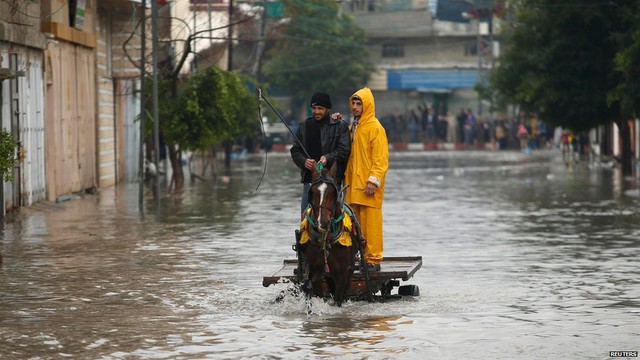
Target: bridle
{"points": [[336, 215], [335, 210]]}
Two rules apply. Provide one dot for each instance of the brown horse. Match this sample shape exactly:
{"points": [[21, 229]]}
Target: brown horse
{"points": [[326, 258]]}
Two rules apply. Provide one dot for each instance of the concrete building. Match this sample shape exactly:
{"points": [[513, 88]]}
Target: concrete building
{"points": [[22, 47], [198, 27], [421, 59], [70, 76], [91, 75]]}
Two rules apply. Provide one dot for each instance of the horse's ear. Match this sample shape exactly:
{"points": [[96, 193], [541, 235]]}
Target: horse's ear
{"points": [[333, 170]]}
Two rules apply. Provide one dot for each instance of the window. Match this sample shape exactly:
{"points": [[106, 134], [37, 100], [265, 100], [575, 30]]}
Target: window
{"points": [[471, 48], [392, 51]]}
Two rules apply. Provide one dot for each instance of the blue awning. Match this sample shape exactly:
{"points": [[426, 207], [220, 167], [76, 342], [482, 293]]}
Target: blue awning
{"points": [[432, 80]]}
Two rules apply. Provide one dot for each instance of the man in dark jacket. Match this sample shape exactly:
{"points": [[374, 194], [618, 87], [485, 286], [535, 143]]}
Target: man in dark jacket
{"points": [[325, 140]]}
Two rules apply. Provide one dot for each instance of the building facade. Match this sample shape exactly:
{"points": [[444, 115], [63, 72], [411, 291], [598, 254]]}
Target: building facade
{"points": [[70, 76], [420, 59], [22, 47]]}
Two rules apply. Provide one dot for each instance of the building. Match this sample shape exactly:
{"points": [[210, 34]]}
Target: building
{"points": [[22, 49], [199, 32], [70, 95], [92, 59], [422, 59]]}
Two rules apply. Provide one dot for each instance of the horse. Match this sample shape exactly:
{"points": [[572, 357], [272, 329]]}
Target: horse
{"points": [[332, 237]]}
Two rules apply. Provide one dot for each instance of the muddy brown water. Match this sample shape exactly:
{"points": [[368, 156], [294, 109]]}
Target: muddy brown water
{"points": [[523, 257]]}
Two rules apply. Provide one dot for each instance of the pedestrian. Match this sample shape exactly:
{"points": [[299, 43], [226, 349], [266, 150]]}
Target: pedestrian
{"points": [[430, 125], [523, 135], [325, 141], [366, 171], [461, 119], [501, 134]]}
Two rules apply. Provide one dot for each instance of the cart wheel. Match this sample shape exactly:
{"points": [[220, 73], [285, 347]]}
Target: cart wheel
{"points": [[386, 289], [409, 290]]}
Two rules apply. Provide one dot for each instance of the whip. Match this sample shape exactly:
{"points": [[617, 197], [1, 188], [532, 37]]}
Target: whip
{"points": [[261, 97]]}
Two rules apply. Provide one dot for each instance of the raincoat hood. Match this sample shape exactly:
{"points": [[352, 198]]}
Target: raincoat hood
{"points": [[368, 104]]}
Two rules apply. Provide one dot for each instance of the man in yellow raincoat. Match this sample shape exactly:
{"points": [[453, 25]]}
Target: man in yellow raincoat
{"points": [[366, 171]]}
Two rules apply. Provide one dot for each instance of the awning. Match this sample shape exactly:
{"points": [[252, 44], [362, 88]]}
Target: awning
{"points": [[444, 80]]}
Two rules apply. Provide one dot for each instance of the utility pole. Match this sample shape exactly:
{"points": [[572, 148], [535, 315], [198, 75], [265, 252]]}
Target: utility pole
{"points": [[194, 63], [257, 65], [143, 75], [230, 44], [210, 31], [156, 125], [228, 144], [480, 68], [483, 11]]}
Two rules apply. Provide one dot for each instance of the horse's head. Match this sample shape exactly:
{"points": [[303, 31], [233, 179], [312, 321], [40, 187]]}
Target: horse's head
{"points": [[324, 197]]}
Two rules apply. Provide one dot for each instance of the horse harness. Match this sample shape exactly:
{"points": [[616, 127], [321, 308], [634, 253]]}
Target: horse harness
{"points": [[337, 226], [332, 210]]}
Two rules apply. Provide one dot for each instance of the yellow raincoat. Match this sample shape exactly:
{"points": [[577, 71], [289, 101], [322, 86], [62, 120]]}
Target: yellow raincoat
{"points": [[369, 161]]}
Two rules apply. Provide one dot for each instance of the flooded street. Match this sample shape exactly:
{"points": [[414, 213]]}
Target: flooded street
{"points": [[523, 257]]}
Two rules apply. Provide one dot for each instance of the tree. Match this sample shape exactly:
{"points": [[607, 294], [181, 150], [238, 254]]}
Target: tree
{"points": [[210, 107], [559, 63], [8, 147], [199, 111], [627, 71], [320, 50]]}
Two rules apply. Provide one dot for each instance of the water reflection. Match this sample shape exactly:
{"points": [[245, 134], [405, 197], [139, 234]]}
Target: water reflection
{"points": [[334, 336], [519, 252]]}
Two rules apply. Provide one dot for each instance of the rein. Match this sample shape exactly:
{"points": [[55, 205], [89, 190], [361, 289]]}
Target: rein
{"points": [[337, 229], [337, 214], [336, 224]]}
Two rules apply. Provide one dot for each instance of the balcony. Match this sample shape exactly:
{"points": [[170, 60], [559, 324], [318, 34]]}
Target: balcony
{"points": [[384, 19]]}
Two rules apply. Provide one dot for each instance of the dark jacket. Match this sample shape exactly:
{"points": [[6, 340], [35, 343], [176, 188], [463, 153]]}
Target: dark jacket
{"points": [[336, 145]]}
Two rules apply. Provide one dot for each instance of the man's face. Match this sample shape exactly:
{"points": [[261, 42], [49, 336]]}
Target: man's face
{"points": [[356, 107], [319, 112]]}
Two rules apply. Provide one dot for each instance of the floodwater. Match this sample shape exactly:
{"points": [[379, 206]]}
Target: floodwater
{"points": [[524, 257]]}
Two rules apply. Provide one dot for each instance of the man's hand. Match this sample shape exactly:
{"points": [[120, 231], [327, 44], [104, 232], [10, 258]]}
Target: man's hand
{"points": [[337, 116], [323, 160], [370, 189], [309, 164]]}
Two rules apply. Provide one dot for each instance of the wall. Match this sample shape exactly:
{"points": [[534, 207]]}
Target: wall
{"points": [[22, 114], [70, 125], [189, 19], [21, 76], [118, 71]]}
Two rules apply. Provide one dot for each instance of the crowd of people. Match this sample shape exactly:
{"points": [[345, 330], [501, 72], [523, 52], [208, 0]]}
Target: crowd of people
{"points": [[428, 126]]}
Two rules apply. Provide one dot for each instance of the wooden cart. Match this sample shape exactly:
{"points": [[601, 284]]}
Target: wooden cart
{"points": [[380, 285]]}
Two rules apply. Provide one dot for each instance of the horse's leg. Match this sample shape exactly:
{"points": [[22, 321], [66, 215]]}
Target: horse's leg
{"points": [[342, 284], [349, 257], [339, 293], [315, 268], [341, 273], [316, 284], [331, 284]]}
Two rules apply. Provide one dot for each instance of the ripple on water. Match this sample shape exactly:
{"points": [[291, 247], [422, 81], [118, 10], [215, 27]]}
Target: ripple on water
{"points": [[523, 258]]}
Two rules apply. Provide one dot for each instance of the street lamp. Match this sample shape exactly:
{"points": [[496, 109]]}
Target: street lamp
{"points": [[482, 10], [469, 16]]}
